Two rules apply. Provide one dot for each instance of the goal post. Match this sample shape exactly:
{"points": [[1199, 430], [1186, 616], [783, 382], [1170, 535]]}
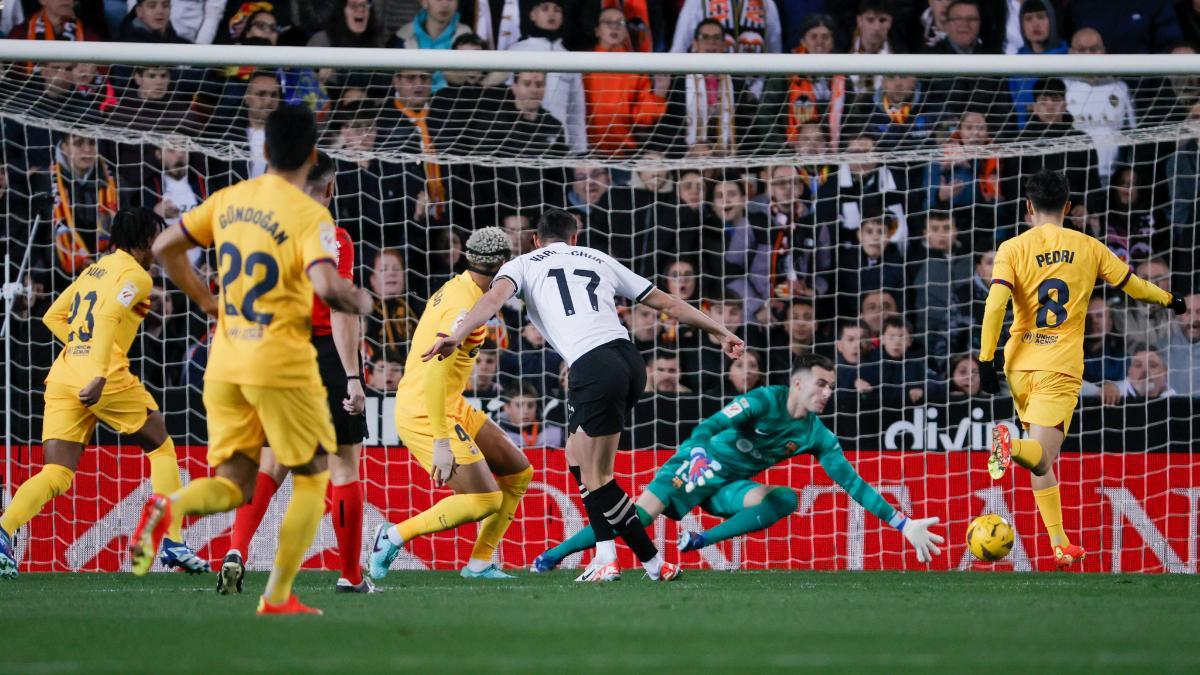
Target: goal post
{"points": [[843, 204]]}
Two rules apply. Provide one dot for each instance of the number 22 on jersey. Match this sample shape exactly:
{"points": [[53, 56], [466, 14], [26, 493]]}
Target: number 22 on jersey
{"points": [[233, 265]]}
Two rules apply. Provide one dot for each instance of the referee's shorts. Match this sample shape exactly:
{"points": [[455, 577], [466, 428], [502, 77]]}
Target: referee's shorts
{"points": [[350, 429]]}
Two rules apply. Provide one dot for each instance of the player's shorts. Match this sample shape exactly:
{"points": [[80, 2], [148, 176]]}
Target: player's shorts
{"points": [[603, 385], [717, 496], [417, 435], [66, 419], [349, 429], [1044, 397], [294, 421]]}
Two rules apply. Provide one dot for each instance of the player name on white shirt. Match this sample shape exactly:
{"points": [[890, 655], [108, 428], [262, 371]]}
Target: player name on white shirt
{"points": [[569, 293]]}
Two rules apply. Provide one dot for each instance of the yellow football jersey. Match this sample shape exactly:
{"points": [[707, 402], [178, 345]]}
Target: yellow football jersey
{"points": [[96, 318], [1052, 271], [267, 234], [449, 304]]}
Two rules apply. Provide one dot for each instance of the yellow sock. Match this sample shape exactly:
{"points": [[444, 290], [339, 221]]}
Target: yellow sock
{"points": [[296, 533], [1050, 505], [450, 513], [492, 529], [164, 478], [202, 497], [1026, 452], [50, 482]]}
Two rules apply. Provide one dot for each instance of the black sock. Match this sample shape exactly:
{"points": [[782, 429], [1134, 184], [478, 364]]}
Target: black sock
{"points": [[596, 519], [620, 512]]}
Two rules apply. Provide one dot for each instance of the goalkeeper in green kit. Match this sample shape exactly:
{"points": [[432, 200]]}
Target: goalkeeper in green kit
{"points": [[754, 432]]}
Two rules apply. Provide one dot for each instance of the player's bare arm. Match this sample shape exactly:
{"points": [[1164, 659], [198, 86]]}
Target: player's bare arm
{"points": [[681, 311], [340, 294], [484, 309], [170, 248]]}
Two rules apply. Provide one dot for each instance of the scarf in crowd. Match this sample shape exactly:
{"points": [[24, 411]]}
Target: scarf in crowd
{"points": [[710, 99], [398, 324], [898, 114], [237, 23], [932, 34], [637, 23], [435, 189], [74, 254], [41, 28], [744, 21], [426, 41], [805, 96]]}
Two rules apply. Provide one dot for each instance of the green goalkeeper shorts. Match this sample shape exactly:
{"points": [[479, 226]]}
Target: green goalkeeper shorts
{"points": [[718, 496]]}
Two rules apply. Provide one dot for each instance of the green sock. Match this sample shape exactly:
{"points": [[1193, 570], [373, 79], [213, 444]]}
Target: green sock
{"points": [[778, 503], [586, 538]]}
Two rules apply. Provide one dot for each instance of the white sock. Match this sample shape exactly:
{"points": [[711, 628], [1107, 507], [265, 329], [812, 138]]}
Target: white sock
{"points": [[478, 565], [393, 535], [606, 552], [654, 566]]}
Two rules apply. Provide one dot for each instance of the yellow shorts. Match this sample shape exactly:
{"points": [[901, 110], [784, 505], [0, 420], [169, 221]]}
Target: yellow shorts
{"points": [[66, 419], [417, 435], [1044, 397], [295, 421]]}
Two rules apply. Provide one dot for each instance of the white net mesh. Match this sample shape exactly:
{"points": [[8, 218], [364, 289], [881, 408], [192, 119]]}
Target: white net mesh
{"points": [[804, 213]]}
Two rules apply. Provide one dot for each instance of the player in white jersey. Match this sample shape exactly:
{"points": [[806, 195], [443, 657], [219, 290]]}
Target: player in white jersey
{"points": [[569, 292]]}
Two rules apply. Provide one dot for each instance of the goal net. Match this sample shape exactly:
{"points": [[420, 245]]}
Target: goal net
{"points": [[848, 213]]}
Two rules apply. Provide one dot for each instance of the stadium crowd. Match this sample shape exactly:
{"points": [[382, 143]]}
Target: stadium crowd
{"points": [[883, 265]]}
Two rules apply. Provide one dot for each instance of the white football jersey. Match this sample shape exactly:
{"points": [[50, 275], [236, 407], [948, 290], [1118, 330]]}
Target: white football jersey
{"points": [[569, 293]]}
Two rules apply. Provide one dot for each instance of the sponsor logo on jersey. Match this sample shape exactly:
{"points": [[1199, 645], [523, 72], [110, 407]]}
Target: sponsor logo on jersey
{"points": [[1039, 339], [127, 293], [735, 407], [329, 240]]}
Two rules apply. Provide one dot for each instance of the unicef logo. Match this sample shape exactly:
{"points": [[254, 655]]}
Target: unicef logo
{"points": [[1027, 338]]}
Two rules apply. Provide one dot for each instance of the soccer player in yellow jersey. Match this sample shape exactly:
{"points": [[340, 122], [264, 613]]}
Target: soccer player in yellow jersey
{"points": [[97, 318], [1048, 272], [457, 444], [275, 247]]}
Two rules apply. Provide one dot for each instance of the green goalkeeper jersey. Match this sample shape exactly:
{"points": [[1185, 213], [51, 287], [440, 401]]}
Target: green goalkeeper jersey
{"points": [[755, 431]]}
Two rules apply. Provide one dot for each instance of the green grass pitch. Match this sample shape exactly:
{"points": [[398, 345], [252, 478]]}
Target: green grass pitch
{"points": [[739, 622]]}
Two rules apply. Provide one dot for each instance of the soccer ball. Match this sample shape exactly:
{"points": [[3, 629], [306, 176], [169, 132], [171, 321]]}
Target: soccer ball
{"points": [[990, 537]]}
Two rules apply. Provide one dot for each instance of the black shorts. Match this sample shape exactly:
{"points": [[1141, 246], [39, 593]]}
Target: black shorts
{"points": [[603, 385], [350, 429]]}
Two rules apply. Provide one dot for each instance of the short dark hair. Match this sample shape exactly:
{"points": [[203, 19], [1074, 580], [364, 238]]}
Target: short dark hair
{"points": [[1049, 86], [518, 388], [661, 355], [973, 3], [807, 361], [322, 170], [469, 39], [134, 229], [877, 6], [291, 136], [844, 324], [706, 22], [894, 321], [556, 225], [939, 214], [1048, 190]]}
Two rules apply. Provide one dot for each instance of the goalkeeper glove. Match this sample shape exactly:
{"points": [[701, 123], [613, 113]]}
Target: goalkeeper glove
{"points": [[989, 383], [917, 533], [1178, 304], [697, 470]]}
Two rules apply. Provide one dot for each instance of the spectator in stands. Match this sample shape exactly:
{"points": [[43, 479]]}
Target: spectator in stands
{"points": [[1146, 325], [606, 212], [872, 35], [1183, 180], [197, 21], [800, 332], [964, 21], [872, 265], [1134, 228], [957, 94], [390, 326], [937, 266], [850, 363], [644, 327], [564, 97], [862, 187], [960, 181], [531, 360], [1130, 26], [928, 28], [897, 116], [1039, 34], [964, 377], [662, 373], [387, 370], [704, 110], [801, 250], [351, 23], [150, 21], [525, 127], [171, 185], [151, 104], [522, 419], [1146, 379], [621, 107], [1101, 105], [702, 358], [1182, 349], [680, 279], [84, 189], [747, 254], [435, 27], [519, 232], [246, 126], [902, 369], [55, 21], [875, 308], [807, 99], [753, 27], [484, 388], [1103, 346], [969, 301], [254, 23], [743, 375], [378, 202]]}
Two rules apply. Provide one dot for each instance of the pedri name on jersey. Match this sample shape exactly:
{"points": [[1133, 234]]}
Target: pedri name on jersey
{"points": [[248, 214], [579, 253], [1055, 257]]}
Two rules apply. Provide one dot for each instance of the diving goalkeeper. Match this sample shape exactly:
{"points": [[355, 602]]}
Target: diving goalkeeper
{"points": [[754, 432]]}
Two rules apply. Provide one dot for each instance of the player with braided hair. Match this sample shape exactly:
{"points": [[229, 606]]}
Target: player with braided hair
{"points": [[457, 444]]}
